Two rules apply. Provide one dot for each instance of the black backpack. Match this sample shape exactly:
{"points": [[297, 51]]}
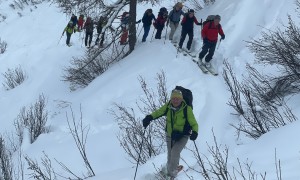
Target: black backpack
{"points": [[188, 98], [210, 19], [187, 95]]}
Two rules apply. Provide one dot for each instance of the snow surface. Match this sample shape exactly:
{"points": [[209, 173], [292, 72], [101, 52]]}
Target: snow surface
{"points": [[33, 43]]}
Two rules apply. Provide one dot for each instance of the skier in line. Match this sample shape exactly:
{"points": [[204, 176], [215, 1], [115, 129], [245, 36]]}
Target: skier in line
{"points": [[177, 134], [147, 21], [188, 29], [74, 19], [125, 26], [209, 34], [174, 18], [80, 22], [101, 23], [89, 29], [69, 31], [160, 22]]}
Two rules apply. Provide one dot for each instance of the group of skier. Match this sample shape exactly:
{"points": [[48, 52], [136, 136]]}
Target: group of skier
{"points": [[80, 24], [177, 110]]}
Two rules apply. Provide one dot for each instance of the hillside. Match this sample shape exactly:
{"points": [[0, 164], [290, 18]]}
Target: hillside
{"points": [[34, 44]]}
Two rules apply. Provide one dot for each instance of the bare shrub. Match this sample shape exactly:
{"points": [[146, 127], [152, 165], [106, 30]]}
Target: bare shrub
{"points": [[13, 78], [34, 119], [44, 171], [3, 45], [79, 133], [132, 135], [6, 166], [215, 165], [258, 115]]}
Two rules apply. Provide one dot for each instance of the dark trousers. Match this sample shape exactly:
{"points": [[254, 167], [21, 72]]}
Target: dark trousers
{"points": [[207, 47], [158, 32], [68, 38], [146, 32], [98, 39], [190, 33], [88, 36]]}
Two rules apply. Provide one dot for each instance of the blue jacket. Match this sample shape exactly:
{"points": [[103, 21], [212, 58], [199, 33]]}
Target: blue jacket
{"points": [[147, 20]]}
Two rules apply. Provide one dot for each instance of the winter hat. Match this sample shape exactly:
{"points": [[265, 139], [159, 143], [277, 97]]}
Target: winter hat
{"points": [[176, 94], [217, 17], [149, 10], [179, 4], [191, 11]]}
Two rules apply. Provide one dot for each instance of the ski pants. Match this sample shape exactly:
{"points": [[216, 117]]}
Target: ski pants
{"points": [[102, 38], [185, 32], [174, 150], [207, 47], [173, 26], [158, 32], [88, 36], [146, 32], [68, 38]]}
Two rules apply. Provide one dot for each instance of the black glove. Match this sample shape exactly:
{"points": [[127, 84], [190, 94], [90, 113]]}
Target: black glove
{"points": [[138, 21], [199, 24], [147, 120], [194, 136], [223, 37], [205, 40]]}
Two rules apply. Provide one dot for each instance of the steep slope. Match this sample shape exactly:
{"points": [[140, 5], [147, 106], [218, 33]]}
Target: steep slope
{"points": [[37, 49]]}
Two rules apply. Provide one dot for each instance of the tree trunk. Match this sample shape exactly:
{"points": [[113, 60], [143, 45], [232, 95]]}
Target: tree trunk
{"points": [[132, 28]]}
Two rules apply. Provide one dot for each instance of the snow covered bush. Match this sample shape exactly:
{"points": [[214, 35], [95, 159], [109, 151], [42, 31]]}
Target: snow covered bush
{"points": [[138, 143], [34, 119], [13, 78], [257, 115], [3, 46], [264, 96]]}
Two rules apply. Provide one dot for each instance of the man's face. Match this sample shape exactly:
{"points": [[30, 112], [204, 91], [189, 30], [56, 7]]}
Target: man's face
{"points": [[176, 101], [191, 14], [217, 21]]}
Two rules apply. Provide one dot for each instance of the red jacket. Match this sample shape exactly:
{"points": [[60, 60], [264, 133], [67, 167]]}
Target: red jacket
{"points": [[210, 31], [80, 21]]}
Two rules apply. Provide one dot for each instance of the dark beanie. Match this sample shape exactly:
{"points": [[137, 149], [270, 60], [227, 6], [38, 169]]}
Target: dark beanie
{"points": [[191, 11]]}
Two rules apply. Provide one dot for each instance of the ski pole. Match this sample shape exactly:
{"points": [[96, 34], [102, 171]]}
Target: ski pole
{"points": [[152, 35], [197, 150], [138, 161], [140, 32], [60, 38], [166, 34], [219, 44]]}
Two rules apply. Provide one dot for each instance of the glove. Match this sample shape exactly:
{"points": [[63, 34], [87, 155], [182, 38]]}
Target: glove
{"points": [[194, 136], [205, 40], [199, 24], [147, 120], [139, 21], [223, 37]]}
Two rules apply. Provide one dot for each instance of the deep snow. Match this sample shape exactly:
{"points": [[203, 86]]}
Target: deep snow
{"points": [[33, 43]]}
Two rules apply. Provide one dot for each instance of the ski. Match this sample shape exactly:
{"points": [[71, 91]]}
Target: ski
{"points": [[201, 66], [212, 71]]}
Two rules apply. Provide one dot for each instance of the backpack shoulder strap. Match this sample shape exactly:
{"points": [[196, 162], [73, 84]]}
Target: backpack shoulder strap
{"points": [[185, 112]]}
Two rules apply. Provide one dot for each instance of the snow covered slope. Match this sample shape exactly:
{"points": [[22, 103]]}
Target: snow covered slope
{"points": [[33, 43]]}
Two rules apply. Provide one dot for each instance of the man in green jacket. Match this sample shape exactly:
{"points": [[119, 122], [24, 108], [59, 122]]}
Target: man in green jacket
{"points": [[179, 128], [69, 29]]}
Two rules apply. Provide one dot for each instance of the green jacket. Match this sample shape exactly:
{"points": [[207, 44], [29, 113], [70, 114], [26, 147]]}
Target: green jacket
{"points": [[70, 30], [178, 118]]}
